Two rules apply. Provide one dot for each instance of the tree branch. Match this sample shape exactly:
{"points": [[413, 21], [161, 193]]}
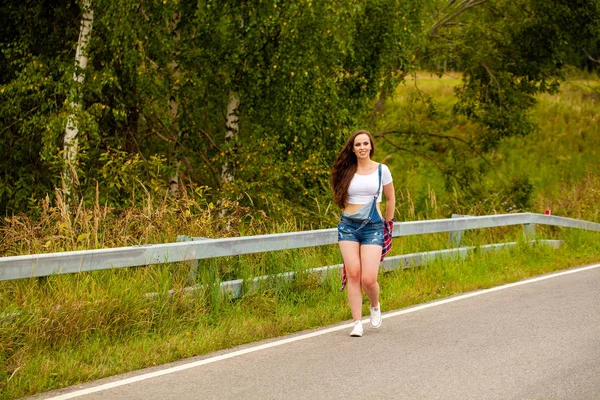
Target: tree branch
{"points": [[447, 18], [176, 141], [19, 120], [434, 161], [445, 137], [590, 57]]}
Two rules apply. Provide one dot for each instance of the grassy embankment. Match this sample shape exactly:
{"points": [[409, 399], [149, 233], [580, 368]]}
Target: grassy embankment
{"points": [[63, 330]]}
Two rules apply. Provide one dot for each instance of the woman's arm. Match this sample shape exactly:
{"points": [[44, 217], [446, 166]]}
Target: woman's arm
{"points": [[390, 201]]}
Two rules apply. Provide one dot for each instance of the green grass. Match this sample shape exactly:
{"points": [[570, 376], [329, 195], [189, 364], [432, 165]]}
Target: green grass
{"points": [[105, 325]]}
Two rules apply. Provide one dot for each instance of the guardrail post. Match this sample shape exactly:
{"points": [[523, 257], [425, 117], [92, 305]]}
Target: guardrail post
{"points": [[529, 230], [456, 236], [194, 267]]}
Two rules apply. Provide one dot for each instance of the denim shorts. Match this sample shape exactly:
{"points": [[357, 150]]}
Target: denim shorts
{"points": [[361, 232]]}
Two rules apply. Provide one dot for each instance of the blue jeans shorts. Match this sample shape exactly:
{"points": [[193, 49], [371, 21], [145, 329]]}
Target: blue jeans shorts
{"points": [[369, 233]]}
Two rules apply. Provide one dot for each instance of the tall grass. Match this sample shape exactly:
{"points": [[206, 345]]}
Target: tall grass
{"points": [[62, 330]]}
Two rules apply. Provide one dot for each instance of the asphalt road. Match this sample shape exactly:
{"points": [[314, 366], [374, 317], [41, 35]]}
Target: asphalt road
{"points": [[538, 339]]}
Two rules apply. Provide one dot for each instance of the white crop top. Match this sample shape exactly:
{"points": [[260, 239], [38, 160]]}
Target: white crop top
{"points": [[363, 188]]}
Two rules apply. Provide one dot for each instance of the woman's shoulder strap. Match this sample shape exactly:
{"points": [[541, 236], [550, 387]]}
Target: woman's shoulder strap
{"points": [[379, 169]]}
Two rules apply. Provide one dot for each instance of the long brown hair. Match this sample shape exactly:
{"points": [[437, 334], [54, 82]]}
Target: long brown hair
{"points": [[344, 168]]}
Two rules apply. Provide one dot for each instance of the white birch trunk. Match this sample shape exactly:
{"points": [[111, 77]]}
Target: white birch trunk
{"points": [[70, 141], [231, 134], [231, 130]]}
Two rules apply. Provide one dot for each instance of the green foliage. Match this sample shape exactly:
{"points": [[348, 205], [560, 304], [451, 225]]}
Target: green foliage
{"points": [[429, 150], [505, 60], [282, 61], [508, 53], [162, 73], [385, 38], [520, 192], [35, 63]]}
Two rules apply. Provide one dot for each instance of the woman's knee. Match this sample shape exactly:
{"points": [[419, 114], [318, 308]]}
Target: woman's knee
{"points": [[369, 281], [353, 275]]}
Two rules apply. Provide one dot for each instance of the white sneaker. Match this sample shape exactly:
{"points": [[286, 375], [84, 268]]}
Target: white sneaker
{"points": [[357, 331], [376, 316]]}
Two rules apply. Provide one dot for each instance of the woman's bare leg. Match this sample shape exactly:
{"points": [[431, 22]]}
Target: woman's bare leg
{"points": [[352, 260], [370, 257]]}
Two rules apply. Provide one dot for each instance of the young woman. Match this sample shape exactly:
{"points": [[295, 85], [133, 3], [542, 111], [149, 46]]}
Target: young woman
{"points": [[358, 183]]}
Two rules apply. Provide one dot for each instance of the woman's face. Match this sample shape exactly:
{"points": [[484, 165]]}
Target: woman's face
{"points": [[362, 146]]}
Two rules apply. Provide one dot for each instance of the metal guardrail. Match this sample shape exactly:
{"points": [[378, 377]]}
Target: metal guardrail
{"points": [[38, 265], [235, 288]]}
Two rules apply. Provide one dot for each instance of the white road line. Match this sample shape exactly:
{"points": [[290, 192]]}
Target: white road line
{"points": [[336, 328]]}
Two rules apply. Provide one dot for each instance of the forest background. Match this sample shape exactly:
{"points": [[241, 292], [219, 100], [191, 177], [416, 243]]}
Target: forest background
{"points": [[245, 104], [128, 122]]}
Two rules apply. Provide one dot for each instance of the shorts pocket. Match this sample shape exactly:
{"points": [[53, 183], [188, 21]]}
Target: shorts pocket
{"points": [[343, 228], [377, 226]]}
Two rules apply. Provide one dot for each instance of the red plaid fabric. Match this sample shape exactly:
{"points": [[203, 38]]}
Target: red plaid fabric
{"points": [[388, 229]]}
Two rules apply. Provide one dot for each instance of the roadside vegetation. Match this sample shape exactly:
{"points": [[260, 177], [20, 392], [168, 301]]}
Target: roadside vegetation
{"points": [[62, 330]]}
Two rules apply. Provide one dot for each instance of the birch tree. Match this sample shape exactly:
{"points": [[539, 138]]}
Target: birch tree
{"points": [[70, 142], [231, 136]]}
